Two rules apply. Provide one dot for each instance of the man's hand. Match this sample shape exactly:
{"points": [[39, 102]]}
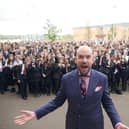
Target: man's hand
{"points": [[24, 117], [121, 126]]}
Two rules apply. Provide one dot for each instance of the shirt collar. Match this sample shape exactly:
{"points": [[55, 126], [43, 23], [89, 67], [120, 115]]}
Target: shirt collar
{"points": [[87, 75]]}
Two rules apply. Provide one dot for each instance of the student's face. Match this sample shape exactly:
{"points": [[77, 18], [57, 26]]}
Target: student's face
{"points": [[84, 59], [11, 57]]}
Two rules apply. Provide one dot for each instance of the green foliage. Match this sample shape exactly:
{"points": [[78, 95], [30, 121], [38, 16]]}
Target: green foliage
{"points": [[109, 37], [51, 31], [113, 32], [67, 37]]}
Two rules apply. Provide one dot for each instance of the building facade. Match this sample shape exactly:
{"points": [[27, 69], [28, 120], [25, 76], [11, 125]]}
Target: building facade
{"points": [[102, 32]]}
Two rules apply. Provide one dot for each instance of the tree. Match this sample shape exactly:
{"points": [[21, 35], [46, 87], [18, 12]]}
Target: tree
{"points": [[51, 31], [113, 32], [67, 37]]}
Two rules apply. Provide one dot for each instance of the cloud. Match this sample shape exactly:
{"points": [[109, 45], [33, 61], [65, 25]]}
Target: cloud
{"points": [[29, 16]]}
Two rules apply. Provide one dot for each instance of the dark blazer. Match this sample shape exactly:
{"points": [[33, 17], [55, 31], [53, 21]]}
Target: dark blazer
{"points": [[34, 73], [83, 113]]}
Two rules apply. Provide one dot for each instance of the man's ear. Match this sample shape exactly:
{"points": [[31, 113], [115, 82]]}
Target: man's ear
{"points": [[93, 59], [76, 59]]}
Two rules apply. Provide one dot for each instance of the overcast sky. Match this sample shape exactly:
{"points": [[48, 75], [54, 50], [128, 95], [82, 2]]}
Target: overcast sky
{"points": [[29, 16]]}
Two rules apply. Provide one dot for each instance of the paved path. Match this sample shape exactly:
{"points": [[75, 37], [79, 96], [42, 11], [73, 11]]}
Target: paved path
{"points": [[11, 104]]}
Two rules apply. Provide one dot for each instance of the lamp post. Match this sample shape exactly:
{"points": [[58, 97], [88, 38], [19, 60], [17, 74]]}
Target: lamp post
{"points": [[88, 31], [114, 8], [112, 31]]}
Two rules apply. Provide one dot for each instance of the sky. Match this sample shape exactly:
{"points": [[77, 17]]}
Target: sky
{"points": [[20, 17]]}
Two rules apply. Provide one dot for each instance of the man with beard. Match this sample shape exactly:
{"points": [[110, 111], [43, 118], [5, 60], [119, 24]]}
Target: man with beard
{"points": [[85, 89]]}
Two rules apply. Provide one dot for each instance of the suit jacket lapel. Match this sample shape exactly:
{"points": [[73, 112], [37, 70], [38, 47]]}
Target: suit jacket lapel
{"points": [[75, 83]]}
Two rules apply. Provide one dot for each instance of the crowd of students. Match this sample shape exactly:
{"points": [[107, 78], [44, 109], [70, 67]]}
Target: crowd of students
{"points": [[37, 67]]}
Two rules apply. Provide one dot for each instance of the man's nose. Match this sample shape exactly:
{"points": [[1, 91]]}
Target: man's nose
{"points": [[84, 59]]}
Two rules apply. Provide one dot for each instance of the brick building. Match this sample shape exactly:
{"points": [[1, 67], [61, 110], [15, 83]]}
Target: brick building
{"points": [[102, 32]]}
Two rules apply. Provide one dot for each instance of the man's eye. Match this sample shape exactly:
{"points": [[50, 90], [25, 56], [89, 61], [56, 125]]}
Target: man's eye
{"points": [[88, 56], [81, 57]]}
